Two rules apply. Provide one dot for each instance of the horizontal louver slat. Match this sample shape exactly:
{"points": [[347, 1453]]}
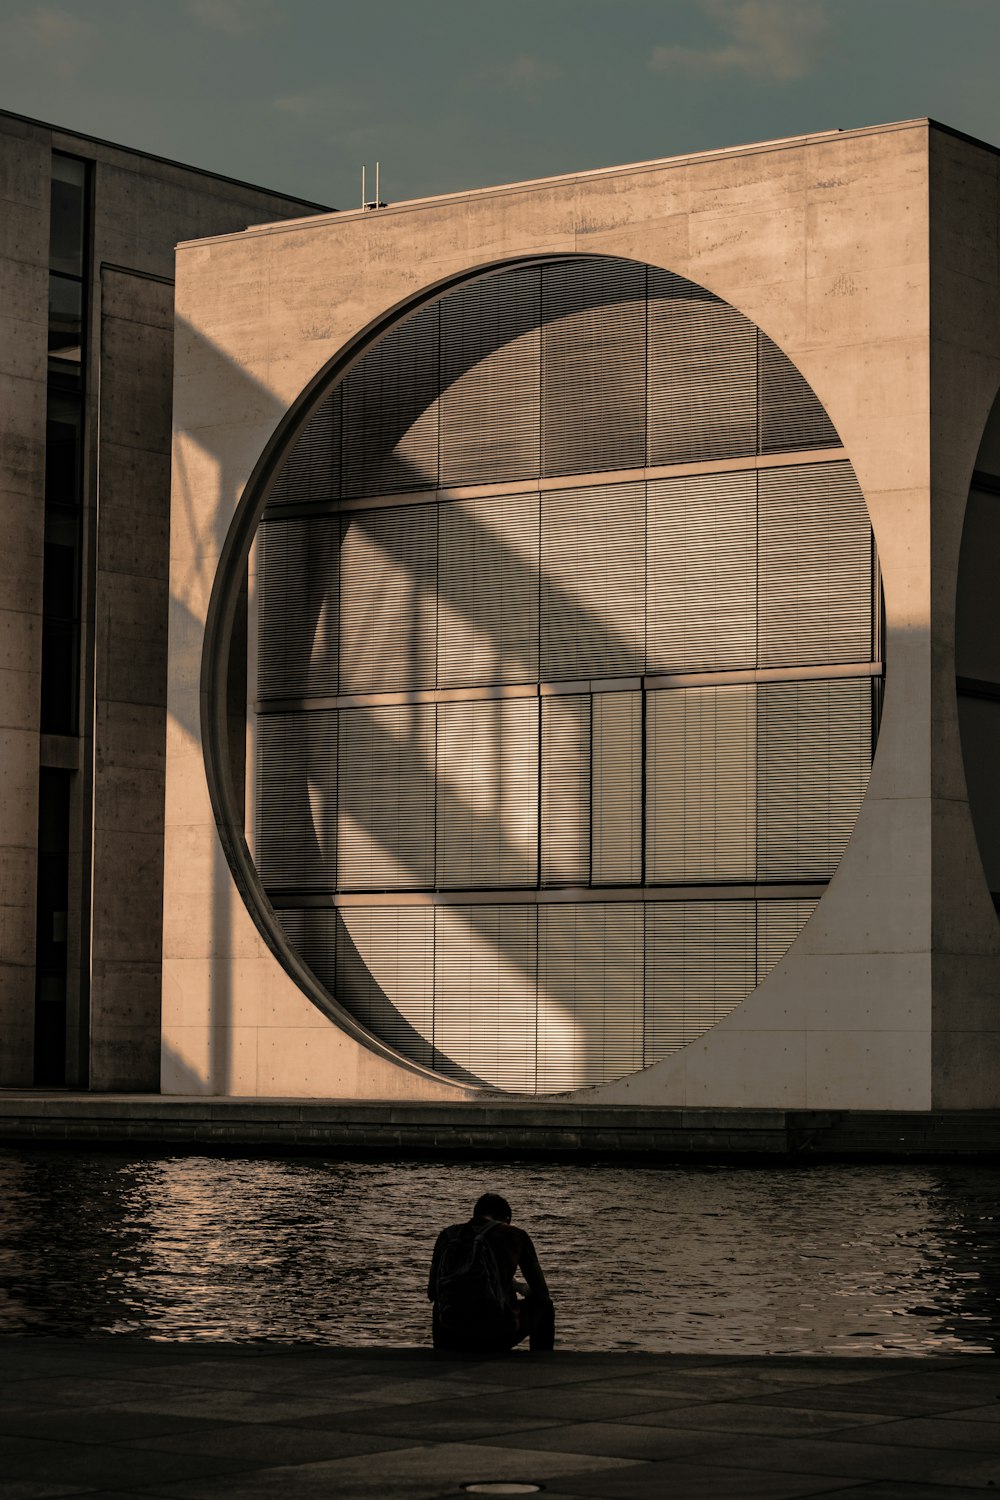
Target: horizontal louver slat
{"points": [[565, 834], [590, 963], [311, 934], [390, 411], [700, 788], [593, 366], [296, 838], [388, 599], [702, 572], [813, 762], [593, 582], [702, 375], [815, 562], [487, 793], [490, 352], [700, 965], [616, 850], [297, 607], [488, 591], [790, 416], [385, 974], [311, 471], [484, 995], [778, 925], [386, 795]]}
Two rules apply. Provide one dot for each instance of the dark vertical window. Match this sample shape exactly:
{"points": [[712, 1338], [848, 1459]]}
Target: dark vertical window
{"points": [[61, 599], [64, 447], [52, 926], [60, 622], [67, 257], [61, 581], [69, 215]]}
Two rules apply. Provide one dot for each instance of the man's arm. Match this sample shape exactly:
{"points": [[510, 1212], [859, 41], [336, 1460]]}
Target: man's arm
{"points": [[530, 1269]]}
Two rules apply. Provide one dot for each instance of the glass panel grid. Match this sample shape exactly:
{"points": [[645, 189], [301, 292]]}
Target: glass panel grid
{"points": [[600, 780]]}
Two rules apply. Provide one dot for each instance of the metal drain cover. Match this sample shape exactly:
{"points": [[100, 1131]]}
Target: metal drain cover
{"points": [[501, 1487]]}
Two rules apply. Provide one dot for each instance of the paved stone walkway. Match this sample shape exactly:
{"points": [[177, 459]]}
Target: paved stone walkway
{"points": [[226, 1422]]}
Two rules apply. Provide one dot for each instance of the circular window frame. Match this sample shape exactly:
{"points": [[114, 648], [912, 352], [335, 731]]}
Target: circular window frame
{"points": [[228, 808]]}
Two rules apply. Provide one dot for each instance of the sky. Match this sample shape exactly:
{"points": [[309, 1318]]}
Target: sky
{"points": [[296, 95]]}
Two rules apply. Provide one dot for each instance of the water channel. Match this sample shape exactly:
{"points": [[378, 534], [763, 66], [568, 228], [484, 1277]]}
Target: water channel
{"points": [[804, 1260]]}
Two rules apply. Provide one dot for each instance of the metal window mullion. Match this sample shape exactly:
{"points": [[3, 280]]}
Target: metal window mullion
{"points": [[590, 790], [537, 986]]}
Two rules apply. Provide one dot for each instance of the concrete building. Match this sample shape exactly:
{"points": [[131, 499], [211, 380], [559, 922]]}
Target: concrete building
{"points": [[584, 667], [87, 236], [568, 599]]}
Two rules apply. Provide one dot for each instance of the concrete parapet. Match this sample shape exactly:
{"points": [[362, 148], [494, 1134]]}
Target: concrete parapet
{"points": [[507, 1130]]}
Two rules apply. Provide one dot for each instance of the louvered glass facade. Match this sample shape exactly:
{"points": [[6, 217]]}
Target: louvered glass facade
{"points": [[569, 668]]}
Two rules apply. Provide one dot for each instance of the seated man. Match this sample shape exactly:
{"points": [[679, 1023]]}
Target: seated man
{"points": [[476, 1306]]}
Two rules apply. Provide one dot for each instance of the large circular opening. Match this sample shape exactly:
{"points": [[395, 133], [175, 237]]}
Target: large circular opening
{"points": [[566, 613]]}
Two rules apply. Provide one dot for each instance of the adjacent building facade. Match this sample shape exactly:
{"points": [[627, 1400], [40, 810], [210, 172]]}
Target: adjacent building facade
{"points": [[86, 349]]}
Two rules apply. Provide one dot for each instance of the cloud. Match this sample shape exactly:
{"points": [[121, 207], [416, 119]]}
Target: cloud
{"points": [[776, 41], [232, 17], [344, 106], [62, 41], [526, 72], [299, 106]]}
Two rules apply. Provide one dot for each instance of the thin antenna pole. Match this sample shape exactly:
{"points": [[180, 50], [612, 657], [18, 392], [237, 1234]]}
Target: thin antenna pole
{"points": [[378, 199], [363, 200]]}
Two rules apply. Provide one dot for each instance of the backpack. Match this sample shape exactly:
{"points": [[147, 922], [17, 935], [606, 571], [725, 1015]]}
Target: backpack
{"points": [[469, 1284]]}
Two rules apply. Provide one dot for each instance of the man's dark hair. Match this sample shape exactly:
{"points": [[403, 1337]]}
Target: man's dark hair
{"points": [[492, 1206]]}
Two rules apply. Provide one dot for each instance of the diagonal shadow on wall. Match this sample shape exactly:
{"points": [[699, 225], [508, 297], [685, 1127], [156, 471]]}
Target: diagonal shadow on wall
{"points": [[602, 650]]}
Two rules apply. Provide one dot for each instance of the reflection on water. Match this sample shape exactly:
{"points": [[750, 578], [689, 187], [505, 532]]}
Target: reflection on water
{"points": [[818, 1260]]}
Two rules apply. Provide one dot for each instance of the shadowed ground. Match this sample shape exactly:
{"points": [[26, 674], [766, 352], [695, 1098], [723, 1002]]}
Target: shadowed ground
{"points": [[129, 1418]]}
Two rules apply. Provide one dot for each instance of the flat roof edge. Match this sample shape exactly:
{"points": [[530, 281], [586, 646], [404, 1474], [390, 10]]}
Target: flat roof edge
{"points": [[166, 161], [963, 135], [406, 205]]}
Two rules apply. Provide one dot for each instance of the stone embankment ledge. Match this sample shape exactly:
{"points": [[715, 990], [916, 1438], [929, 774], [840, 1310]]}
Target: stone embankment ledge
{"points": [[507, 1128]]}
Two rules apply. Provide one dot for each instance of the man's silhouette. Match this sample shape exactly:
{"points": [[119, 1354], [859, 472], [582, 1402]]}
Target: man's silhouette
{"points": [[476, 1306]]}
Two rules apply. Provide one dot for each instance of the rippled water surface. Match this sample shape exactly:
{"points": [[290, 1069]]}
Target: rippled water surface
{"points": [[804, 1260]]}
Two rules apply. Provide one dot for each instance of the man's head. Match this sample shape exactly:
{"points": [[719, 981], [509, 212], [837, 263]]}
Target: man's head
{"points": [[492, 1206]]}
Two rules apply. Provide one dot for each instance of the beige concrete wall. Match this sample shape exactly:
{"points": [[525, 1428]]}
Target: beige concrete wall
{"points": [[821, 242], [24, 254], [965, 380]]}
